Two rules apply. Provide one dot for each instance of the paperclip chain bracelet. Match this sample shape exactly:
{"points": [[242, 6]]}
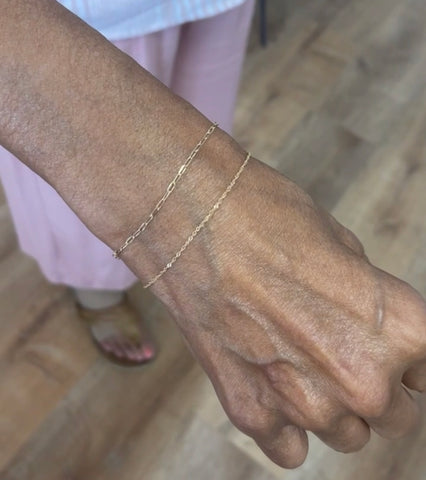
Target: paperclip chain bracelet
{"points": [[201, 225], [166, 195]]}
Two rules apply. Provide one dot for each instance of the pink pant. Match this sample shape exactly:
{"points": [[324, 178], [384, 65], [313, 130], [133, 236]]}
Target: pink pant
{"points": [[200, 61]]}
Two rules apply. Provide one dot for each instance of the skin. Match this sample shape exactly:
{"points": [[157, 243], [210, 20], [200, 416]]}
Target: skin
{"points": [[296, 329]]}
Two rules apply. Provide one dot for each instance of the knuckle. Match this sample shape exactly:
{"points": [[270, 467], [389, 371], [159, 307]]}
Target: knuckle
{"points": [[370, 393], [353, 241], [375, 403], [354, 446], [249, 423], [411, 307], [320, 423], [410, 304], [250, 410], [319, 419], [289, 450]]}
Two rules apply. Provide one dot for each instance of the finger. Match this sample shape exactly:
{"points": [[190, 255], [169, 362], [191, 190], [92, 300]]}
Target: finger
{"points": [[350, 434], [288, 448], [352, 241], [397, 418], [415, 377], [345, 235]]}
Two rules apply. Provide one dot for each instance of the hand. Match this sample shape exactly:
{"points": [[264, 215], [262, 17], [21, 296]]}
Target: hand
{"points": [[295, 328]]}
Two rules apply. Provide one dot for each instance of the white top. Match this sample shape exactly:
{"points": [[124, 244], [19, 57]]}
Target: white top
{"points": [[117, 19]]}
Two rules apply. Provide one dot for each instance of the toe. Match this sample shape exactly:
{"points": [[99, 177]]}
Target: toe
{"points": [[118, 349], [148, 351]]}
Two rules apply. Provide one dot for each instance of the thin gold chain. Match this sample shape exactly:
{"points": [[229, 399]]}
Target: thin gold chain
{"points": [[200, 226], [166, 195]]}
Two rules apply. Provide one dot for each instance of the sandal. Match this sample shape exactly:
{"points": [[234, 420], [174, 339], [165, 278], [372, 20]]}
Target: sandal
{"points": [[119, 333]]}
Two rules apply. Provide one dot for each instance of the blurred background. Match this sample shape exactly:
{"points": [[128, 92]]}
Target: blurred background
{"points": [[337, 102]]}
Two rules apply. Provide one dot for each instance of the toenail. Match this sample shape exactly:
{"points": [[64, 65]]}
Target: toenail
{"points": [[148, 351]]}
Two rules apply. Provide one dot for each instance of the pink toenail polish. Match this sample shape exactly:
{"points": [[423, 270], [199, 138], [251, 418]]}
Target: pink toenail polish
{"points": [[148, 351]]}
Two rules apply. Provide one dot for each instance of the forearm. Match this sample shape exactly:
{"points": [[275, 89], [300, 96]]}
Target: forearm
{"points": [[296, 329], [99, 128]]}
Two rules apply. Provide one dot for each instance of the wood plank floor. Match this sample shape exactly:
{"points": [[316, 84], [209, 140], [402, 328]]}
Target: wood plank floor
{"points": [[337, 102]]}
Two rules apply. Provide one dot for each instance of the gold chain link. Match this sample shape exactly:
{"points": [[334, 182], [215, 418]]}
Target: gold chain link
{"points": [[166, 195], [201, 224]]}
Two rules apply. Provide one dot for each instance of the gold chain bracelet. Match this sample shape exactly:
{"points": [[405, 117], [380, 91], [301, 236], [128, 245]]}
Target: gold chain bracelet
{"points": [[166, 195], [201, 224]]}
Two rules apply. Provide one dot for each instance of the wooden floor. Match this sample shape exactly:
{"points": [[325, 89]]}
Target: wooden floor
{"points": [[338, 103]]}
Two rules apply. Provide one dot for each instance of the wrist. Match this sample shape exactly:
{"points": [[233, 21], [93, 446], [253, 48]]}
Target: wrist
{"points": [[197, 192]]}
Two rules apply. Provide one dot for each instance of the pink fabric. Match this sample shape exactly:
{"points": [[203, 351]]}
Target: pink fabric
{"points": [[200, 61]]}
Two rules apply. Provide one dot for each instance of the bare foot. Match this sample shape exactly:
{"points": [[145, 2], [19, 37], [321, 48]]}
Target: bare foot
{"points": [[120, 333]]}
